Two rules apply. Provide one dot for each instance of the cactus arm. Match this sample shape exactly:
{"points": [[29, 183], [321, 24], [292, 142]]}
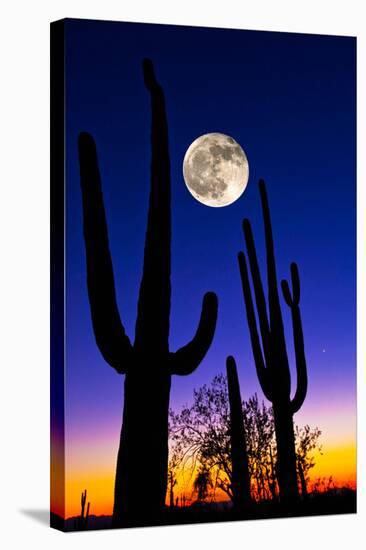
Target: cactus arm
{"points": [[262, 372], [258, 288], [152, 324], [185, 360], [83, 499], [301, 369], [293, 300], [109, 333]]}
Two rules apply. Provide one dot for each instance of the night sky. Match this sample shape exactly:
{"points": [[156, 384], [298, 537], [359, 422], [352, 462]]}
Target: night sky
{"points": [[289, 100]]}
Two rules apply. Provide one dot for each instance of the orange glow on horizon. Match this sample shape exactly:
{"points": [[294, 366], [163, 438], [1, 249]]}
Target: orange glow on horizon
{"points": [[336, 461], [100, 489], [340, 462]]}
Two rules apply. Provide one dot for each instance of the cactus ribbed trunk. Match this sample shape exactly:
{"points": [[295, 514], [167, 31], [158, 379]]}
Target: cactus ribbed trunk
{"points": [[286, 461], [142, 461], [143, 455], [240, 481], [270, 355]]}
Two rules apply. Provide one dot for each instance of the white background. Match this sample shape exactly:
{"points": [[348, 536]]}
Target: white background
{"points": [[24, 271]]}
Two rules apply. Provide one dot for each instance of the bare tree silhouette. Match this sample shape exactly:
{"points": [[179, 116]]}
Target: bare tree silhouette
{"points": [[307, 442], [261, 448], [201, 440], [171, 484]]}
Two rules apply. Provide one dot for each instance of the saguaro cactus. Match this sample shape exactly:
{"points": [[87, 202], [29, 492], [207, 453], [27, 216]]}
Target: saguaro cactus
{"points": [[270, 357], [82, 521], [239, 458], [147, 364]]}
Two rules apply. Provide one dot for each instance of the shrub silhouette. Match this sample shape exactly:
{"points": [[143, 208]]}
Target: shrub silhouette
{"points": [[147, 364], [202, 484], [271, 358]]}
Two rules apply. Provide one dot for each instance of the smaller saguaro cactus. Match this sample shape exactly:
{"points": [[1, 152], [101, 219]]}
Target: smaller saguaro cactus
{"points": [[270, 355], [82, 521], [239, 456]]}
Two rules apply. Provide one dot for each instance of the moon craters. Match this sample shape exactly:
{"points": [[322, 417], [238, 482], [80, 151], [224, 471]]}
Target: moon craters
{"points": [[215, 169]]}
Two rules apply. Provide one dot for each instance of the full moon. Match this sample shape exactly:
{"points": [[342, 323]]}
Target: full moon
{"points": [[215, 169]]}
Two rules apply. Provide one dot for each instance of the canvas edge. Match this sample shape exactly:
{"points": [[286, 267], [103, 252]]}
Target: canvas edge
{"points": [[57, 269]]}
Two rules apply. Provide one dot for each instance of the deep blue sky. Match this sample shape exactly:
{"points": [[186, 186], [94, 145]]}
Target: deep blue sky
{"points": [[289, 100]]}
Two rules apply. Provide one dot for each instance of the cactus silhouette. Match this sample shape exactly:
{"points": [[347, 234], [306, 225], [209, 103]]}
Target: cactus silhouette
{"points": [[82, 521], [239, 458], [147, 364], [270, 356]]}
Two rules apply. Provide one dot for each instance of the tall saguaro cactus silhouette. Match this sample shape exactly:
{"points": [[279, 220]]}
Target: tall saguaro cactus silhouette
{"points": [[271, 357], [239, 457], [148, 364]]}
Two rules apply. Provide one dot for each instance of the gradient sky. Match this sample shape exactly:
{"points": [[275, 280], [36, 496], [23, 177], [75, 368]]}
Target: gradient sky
{"points": [[289, 100]]}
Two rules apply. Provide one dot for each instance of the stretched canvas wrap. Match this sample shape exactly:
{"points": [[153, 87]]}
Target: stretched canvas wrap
{"points": [[203, 192]]}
